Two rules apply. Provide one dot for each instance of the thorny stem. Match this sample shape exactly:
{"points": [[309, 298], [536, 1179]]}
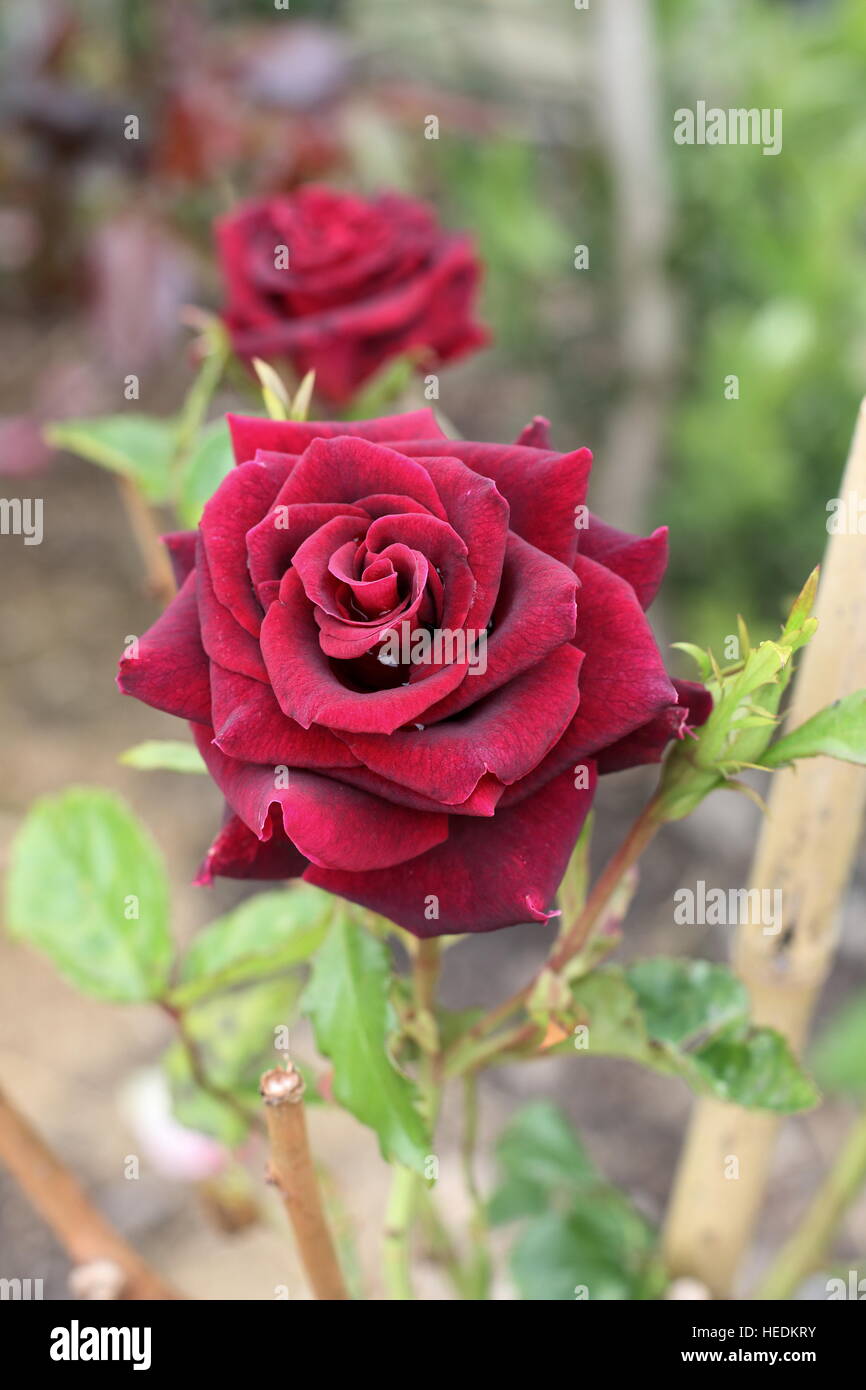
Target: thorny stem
{"points": [[473, 1051], [810, 1243], [62, 1203], [291, 1167]]}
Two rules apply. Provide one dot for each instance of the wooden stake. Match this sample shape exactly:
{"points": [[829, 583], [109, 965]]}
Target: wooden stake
{"points": [[806, 849], [60, 1200], [292, 1169]]}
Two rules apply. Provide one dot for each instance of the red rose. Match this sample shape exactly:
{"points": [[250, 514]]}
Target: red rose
{"points": [[439, 789], [343, 285]]}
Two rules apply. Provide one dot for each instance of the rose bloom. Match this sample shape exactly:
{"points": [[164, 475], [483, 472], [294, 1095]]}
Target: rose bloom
{"points": [[446, 793], [365, 282]]}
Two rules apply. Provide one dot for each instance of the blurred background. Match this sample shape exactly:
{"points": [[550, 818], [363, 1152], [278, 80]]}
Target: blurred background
{"points": [[555, 133]]}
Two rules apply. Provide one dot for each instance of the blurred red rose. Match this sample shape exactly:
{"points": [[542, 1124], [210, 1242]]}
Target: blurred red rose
{"points": [[336, 283], [443, 791]]}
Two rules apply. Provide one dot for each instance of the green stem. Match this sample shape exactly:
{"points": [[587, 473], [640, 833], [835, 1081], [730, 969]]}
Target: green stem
{"points": [[479, 1270], [396, 1262], [810, 1243], [199, 1072]]}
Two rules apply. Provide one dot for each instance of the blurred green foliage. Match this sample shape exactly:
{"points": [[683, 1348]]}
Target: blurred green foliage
{"points": [[770, 258]]}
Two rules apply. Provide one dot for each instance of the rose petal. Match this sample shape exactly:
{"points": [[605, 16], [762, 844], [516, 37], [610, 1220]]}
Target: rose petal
{"points": [[250, 726], [641, 560], [334, 825], [623, 682], [308, 690], [181, 550], [250, 432], [541, 487], [648, 743], [238, 853], [170, 672], [507, 735], [488, 874], [535, 613], [238, 504], [223, 638]]}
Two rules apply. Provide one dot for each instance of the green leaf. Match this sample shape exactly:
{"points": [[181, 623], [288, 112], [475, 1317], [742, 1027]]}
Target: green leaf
{"points": [[540, 1156], [210, 461], [164, 755], [198, 1109], [601, 1248], [138, 446], [839, 1057], [347, 1001], [688, 1019], [699, 657], [278, 402], [581, 1231], [87, 886], [839, 731], [756, 1068], [681, 998], [233, 1036], [263, 936], [300, 408]]}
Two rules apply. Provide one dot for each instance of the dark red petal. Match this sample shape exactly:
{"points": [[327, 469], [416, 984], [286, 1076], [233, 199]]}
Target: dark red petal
{"points": [[489, 873], [507, 734], [482, 801], [238, 853], [308, 690], [344, 469], [272, 543], [623, 683], [334, 825], [238, 504], [534, 614], [224, 640], [641, 560], [181, 550], [541, 487], [648, 743], [171, 670], [480, 515], [250, 433], [249, 725], [535, 435]]}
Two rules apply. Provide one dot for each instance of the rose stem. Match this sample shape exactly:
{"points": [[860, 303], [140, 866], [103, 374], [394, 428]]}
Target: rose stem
{"points": [[198, 1069], [426, 957], [399, 1216], [160, 576], [808, 1246], [62, 1203], [568, 946], [479, 1271], [806, 850], [292, 1168]]}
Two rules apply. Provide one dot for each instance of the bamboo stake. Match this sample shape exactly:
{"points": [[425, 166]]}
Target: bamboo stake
{"points": [[806, 848], [292, 1169], [58, 1197]]}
